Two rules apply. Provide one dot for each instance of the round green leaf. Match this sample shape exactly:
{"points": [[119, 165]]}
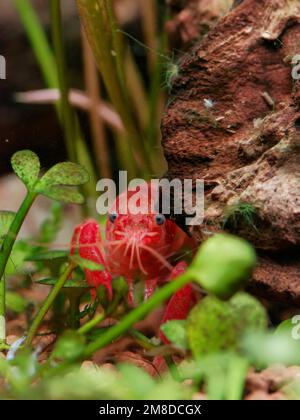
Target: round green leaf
{"points": [[223, 265], [65, 173], [214, 325], [62, 194], [26, 165]]}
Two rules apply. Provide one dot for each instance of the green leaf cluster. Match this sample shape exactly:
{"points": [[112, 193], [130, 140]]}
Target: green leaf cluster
{"points": [[58, 183]]}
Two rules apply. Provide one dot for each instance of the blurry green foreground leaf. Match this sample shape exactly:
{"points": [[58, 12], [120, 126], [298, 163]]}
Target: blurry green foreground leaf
{"points": [[59, 182], [214, 325], [223, 265], [15, 302], [266, 348], [175, 331], [69, 346]]}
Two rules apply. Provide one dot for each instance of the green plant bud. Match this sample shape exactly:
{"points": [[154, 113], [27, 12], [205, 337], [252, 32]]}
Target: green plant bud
{"points": [[214, 325], [224, 264]]}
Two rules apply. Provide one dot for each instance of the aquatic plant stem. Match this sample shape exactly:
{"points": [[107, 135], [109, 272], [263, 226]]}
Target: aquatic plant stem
{"points": [[172, 368], [38, 41], [142, 340], [74, 297], [5, 252], [236, 379], [117, 43], [91, 324], [48, 303], [59, 51], [149, 17], [76, 147], [147, 344]]}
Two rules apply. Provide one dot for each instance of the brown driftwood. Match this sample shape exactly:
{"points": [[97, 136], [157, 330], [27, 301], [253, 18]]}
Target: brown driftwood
{"points": [[234, 120]]}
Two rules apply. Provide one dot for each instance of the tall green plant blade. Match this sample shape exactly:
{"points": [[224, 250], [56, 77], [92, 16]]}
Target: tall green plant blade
{"points": [[99, 25], [68, 115], [38, 41]]}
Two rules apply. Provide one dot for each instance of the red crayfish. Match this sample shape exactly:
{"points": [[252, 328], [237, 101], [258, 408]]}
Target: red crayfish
{"points": [[137, 247]]}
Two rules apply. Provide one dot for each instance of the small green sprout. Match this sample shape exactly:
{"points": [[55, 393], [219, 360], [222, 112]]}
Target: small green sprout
{"points": [[240, 214]]}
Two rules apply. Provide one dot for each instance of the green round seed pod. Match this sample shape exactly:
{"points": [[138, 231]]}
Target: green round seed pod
{"points": [[224, 264], [214, 325]]}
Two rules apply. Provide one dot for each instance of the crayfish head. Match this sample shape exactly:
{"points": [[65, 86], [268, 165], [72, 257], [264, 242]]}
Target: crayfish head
{"points": [[138, 244]]}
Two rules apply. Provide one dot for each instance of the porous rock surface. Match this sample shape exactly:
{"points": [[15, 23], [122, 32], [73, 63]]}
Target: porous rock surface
{"points": [[233, 119]]}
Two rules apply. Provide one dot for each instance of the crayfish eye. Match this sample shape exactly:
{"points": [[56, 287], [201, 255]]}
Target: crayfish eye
{"points": [[160, 219], [112, 217]]}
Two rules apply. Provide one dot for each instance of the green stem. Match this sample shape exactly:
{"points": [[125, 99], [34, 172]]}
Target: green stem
{"points": [[76, 147], [47, 304], [38, 41], [142, 340], [117, 44], [172, 368], [91, 324], [6, 249], [137, 314], [236, 379], [59, 51], [74, 311], [147, 344]]}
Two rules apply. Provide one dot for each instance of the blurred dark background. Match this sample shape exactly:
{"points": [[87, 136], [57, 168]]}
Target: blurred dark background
{"points": [[30, 126]]}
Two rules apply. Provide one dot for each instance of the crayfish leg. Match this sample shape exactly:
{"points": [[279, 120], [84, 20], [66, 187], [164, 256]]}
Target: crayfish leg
{"points": [[87, 242], [180, 303], [130, 295]]}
